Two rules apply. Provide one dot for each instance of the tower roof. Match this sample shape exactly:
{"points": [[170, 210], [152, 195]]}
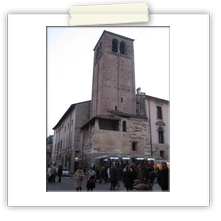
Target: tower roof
{"points": [[67, 113]]}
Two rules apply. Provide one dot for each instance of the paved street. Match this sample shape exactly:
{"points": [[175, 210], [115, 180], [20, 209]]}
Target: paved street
{"points": [[68, 184]]}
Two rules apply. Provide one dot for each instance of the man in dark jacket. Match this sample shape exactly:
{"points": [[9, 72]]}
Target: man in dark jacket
{"points": [[113, 177], [60, 172], [97, 171], [163, 178], [128, 178], [102, 175]]}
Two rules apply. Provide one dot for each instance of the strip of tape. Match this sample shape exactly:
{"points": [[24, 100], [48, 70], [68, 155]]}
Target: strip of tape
{"points": [[108, 14]]}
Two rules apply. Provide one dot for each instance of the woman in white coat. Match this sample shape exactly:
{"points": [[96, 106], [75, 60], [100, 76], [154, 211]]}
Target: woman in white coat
{"points": [[49, 174], [78, 176]]}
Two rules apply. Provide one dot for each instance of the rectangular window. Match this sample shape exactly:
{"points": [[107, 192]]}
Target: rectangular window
{"points": [[160, 136], [122, 100], [124, 126], [162, 154], [115, 108], [134, 146], [159, 112]]}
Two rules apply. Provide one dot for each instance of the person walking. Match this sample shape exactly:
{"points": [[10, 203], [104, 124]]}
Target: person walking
{"points": [[78, 176], [103, 175], [97, 174], [163, 177], [142, 172], [157, 171], [49, 174], [113, 177], [108, 174], [120, 172], [128, 178], [150, 172], [91, 179], [53, 173], [134, 171], [60, 168]]}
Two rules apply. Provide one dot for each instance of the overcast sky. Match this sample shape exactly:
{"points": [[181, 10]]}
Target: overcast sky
{"points": [[70, 64]]}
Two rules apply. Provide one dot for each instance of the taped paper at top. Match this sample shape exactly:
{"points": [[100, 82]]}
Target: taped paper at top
{"points": [[109, 14]]}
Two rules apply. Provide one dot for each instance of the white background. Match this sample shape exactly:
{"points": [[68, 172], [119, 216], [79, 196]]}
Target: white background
{"points": [[31, 131]]}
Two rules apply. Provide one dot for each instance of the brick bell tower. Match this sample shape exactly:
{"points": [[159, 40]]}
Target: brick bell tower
{"points": [[113, 76]]}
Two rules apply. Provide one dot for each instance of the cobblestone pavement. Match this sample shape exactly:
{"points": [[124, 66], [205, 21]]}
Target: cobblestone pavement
{"points": [[67, 184]]}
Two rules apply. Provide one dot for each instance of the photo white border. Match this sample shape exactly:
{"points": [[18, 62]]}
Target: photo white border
{"points": [[189, 115]]}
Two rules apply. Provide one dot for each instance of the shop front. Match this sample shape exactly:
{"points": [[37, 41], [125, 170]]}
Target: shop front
{"points": [[106, 161]]}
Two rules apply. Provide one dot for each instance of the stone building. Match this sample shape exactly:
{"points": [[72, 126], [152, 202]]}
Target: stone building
{"points": [[117, 125], [49, 142], [115, 132], [66, 145]]}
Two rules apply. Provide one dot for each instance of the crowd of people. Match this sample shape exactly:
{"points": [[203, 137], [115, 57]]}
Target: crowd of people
{"points": [[139, 176], [133, 176], [52, 171]]}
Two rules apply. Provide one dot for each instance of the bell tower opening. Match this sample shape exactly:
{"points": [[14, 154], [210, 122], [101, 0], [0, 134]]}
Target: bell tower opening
{"points": [[122, 47], [114, 45]]}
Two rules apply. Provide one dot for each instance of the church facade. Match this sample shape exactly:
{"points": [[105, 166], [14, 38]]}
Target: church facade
{"points": [[117, 125]]}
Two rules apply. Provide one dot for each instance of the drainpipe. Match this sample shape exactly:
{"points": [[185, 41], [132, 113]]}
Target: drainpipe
{"points": [[151, 149]]}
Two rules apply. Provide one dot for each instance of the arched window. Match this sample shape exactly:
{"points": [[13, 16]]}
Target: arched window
{"points": [[160, 135], [122, 47], [114, 45], [124, 126]]}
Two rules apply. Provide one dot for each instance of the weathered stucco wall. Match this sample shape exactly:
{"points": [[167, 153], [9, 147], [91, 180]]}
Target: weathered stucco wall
{"points": [[97, 143]]}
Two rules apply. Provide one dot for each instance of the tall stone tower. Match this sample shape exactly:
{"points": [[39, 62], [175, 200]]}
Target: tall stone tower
{"points": [[113, 76]]}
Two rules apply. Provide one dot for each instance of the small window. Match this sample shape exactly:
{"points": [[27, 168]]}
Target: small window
{"points": [[97, 54], [114, 45], [134, 146], [160, 134], [159, 112], [122, 100], [122, 48], [115, 108], [162, 154], [100, 49], [124, 126]]}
